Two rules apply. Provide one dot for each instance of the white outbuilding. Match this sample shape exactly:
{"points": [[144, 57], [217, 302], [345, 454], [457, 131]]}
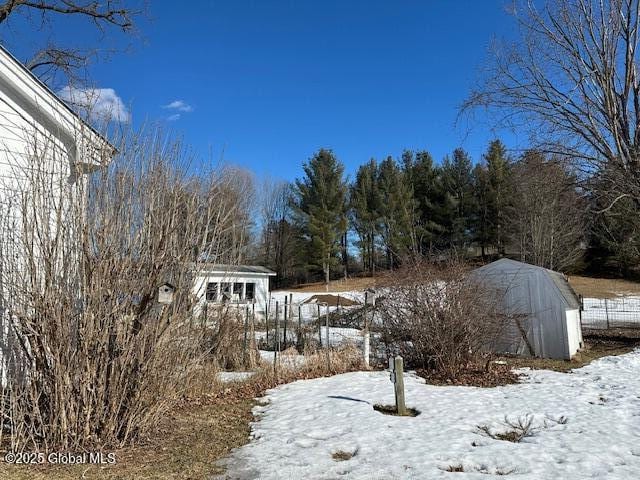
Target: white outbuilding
{"points": [[542, 308], [232, 284]]}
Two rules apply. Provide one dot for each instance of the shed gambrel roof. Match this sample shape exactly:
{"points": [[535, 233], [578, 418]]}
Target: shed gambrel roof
{"points": [[558, 279]]}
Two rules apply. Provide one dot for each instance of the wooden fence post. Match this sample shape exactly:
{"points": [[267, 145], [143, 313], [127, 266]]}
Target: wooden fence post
{"points": [[291, 310], [399, 385], [606, 311], [286, 311], [319, 327], [244, 344], [300, 340], [327, 337], [276, 344], [266, 319]]}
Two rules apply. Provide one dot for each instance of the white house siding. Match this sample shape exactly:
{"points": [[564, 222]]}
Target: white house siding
{"points": [[261, 281], [39, 138]]}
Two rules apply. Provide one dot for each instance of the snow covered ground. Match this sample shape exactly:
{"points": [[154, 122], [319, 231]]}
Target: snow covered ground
{"points": [[340, 335], [337, 335], [284, 359], [230, 377], [306, 422]]}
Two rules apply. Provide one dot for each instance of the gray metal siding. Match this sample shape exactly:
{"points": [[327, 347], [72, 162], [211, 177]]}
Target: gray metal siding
{"points": [[536, 299]]}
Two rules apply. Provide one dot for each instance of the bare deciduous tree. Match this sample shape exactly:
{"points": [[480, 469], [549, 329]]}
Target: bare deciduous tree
{"points": [[548, 216], [280, 239], [572, 81]]}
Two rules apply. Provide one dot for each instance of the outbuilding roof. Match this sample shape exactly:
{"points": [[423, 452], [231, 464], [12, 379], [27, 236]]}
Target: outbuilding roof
{"points": [[221, 268], [559, 280]]}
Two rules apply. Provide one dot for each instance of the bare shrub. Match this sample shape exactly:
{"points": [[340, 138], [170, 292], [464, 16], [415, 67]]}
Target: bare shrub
{"points": [[515, 431], [455, 468], [436, 318], [344, 359], [90, 358], [224, 337]]}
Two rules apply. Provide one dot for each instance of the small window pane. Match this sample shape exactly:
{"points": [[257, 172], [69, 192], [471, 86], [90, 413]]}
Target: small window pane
{"points": [[251, 291], [212, 292], [225, 291]]}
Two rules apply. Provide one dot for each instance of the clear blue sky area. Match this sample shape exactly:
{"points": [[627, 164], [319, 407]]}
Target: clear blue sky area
{"points": [[270, 82]]}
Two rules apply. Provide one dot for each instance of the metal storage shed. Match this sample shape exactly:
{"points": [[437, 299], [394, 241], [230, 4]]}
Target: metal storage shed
{"points": [[543, 309]]}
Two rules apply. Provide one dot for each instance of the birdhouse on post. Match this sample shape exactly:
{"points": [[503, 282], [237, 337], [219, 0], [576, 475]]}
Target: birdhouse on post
{"points": [[165, 293]]}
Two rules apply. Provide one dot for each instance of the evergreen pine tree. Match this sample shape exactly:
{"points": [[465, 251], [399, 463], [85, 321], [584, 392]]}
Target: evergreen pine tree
{"points": [[458, 206], [422, 176], [365, 212], [321, 208], [500, 194], [481, 217], [396, 212]]}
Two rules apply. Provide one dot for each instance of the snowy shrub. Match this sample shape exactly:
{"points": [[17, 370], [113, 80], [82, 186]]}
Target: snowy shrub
{"points": [[437, 319], [516, 430]]}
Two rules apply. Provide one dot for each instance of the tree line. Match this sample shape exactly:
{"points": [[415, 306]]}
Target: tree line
{"points": [[533, 207]]}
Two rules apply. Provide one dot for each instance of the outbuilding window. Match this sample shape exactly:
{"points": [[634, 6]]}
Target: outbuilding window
{"points": [[237, 290], [250, 292], [212, 292], [226, 289]]}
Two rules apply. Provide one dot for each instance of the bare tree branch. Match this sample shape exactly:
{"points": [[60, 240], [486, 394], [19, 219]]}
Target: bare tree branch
{"points": [[110, 12], [70, 61]]}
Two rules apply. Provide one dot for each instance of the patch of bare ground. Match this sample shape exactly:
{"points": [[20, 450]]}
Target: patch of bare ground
{"points": [[594, 348], [332, 300], [595, 287], [185, 446], [477, 375], [343, 456], [603, 287], [623, 336], [500, 370], [392, 410], [335, 286]]}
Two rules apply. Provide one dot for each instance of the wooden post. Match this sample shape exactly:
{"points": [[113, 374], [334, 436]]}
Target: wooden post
{"points": [[366, 302], [319, 327], [253, 320], [606, 311], [286, 311], [277, 326], [327, 337], [366, 347], [398, 368], [266, 319], [244, 344], [299, 335], [276, 345], [291, 309]]}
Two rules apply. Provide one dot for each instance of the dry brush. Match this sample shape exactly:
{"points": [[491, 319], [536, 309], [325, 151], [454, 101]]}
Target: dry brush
{"points": [[89, 356]]}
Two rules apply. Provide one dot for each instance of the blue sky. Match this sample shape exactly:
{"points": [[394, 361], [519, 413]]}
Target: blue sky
{"points": [[267, 83]]}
